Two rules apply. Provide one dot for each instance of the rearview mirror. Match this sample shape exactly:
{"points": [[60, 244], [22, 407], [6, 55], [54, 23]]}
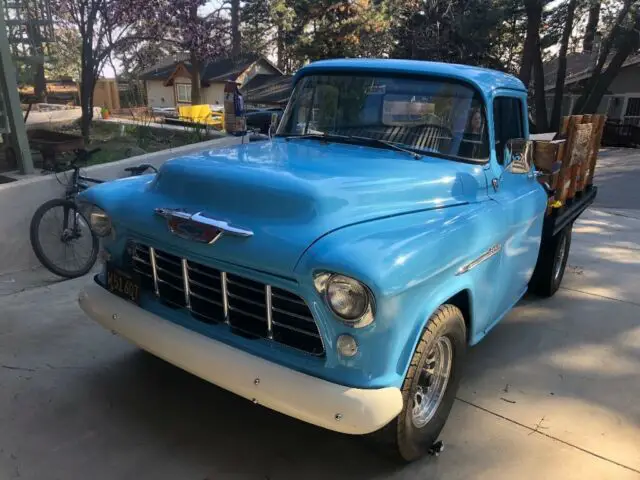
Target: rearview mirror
{"points": [[518, 155]]}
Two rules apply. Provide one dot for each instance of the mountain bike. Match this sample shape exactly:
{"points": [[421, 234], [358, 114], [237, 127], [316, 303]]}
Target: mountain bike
{"points": [[60, 233]]}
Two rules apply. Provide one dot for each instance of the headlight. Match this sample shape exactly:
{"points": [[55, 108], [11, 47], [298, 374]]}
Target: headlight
{"points": [[99, 221], [349, 299]]}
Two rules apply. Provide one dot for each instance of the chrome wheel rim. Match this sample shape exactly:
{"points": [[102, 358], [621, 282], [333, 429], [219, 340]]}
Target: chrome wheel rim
{"points": [[557, 268], [432, 383]]}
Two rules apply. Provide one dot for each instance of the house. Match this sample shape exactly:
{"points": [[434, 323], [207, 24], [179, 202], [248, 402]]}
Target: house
{"points": [[621, 103], [267, 90], [168, 83]]}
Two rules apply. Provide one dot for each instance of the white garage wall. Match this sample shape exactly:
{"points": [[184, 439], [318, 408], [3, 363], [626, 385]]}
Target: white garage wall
{"points": [[158, 95], [19, 200], [214, 94]]}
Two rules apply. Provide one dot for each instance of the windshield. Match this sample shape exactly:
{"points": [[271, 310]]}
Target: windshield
{"points": [[424, 115]]}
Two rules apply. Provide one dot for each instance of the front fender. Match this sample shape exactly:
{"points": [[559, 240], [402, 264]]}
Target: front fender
{"points": [[116, 197], [411, 264]]}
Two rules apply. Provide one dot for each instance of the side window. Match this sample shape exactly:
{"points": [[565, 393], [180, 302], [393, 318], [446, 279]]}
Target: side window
{"points": [[507, 118]]}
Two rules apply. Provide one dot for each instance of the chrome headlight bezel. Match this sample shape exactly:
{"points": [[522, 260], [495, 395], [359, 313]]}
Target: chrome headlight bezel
{"points": [[323, 282], [99, 221]]}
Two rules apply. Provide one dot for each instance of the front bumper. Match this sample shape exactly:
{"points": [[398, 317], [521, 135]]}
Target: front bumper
{"points": [[313, 400]]}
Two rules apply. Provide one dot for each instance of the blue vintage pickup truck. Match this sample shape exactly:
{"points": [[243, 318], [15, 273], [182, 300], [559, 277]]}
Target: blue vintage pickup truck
{"points": [[338, 271]]}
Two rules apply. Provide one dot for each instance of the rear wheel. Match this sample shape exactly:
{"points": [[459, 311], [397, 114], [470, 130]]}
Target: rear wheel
{"points": [[552, 262], [429, 387], [62, 239]]}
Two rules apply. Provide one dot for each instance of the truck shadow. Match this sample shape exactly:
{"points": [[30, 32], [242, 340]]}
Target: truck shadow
{"points": [[573, 347], [216, 431], [175, 422]]}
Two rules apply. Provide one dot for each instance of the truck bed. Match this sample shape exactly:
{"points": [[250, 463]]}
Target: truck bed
{"points": [[561, 217]]}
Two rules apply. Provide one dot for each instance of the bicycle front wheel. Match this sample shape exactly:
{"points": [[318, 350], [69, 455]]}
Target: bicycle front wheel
{"points": [[62, 239]]}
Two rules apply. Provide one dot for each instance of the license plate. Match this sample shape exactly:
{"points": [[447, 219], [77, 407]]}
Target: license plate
{"points": [[123, 284]]}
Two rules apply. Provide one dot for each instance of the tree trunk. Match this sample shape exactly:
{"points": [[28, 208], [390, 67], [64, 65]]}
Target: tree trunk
{"points": [[629, 44], [539, 93], [534, 18], [280, 48], [40, 83], [196, 67], [554, 124], [602, 59], [592, 26], [86, 102], [235, 28], [87, 84]]}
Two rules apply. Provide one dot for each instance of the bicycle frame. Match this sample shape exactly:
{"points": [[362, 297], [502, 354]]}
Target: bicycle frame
{"points": [[78, 183]]}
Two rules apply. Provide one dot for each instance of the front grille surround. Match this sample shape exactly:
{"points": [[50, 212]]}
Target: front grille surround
{"points": [[250, 308]]}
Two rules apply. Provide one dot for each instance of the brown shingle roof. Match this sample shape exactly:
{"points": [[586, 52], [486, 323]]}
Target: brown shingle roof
{"points": [[579, 66], [218, 70]]}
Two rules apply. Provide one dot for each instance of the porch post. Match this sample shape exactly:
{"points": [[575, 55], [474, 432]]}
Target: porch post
{"points": [[9, 90], [623, 112]]}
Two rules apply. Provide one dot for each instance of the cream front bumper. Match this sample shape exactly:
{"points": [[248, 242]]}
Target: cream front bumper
{"points": [[307, 398]]}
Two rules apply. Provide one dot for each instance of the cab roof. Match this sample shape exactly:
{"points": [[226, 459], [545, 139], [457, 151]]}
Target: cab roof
{"points": [[482, 78]]}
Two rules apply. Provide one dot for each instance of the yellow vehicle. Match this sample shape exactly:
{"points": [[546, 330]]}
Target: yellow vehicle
{"points": [[202, 114]]}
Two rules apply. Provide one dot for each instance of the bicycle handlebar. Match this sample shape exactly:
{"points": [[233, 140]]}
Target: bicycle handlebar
{"points": [[140, 169]]}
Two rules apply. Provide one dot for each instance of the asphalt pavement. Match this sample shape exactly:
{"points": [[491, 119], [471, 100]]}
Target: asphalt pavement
{"points": [[552, 392]]}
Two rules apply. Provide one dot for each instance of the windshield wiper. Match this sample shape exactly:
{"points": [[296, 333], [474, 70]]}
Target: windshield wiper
{"points": [[386, 143], [350, 139], [321, 136]]}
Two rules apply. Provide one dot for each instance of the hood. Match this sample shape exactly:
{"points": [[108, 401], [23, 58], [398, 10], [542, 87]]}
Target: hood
{"points": [[288, 193]]}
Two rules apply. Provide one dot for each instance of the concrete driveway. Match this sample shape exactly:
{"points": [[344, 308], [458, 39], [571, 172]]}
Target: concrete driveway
{"points": [[552, 392]]}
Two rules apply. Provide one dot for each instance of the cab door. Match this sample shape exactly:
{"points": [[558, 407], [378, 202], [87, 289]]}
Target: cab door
{"points": [[521, 198]]}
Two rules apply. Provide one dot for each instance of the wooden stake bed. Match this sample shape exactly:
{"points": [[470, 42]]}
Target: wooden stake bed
{"points": [[568, 163], [561, 217]]}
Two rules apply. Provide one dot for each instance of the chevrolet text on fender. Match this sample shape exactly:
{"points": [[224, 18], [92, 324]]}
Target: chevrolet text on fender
{"points": [[338, 272]]}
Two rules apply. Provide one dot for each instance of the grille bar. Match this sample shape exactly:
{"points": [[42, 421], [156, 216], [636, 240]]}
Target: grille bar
{"points": [[225, 296], [202, 285], [288, 299], [250, 308], [299, 330], [200, 272], [185, 283], [301, 317], [233, 282], [267, 297], [205, 299], [154, 270]]}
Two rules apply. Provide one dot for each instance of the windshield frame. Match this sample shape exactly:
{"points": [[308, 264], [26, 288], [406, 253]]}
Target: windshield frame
{"points": [[395, 74]]}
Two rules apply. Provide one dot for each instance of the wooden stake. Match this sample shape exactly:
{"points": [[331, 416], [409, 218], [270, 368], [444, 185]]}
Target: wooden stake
{"points": [[599, 130]]}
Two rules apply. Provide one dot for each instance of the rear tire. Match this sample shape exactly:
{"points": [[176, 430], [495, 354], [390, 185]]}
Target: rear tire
{"points": [[413, 432], [37, 233], [552, 262]]}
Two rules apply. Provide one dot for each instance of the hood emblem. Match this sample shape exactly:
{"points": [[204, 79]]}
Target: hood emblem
{"points": [[198, 227]]}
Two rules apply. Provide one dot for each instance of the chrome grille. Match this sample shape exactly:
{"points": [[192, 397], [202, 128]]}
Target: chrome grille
{"points": [[250, 308]]}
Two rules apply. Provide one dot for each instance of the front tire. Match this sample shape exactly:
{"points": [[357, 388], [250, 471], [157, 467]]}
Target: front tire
{"points": [[62, 239], [429, 387]]}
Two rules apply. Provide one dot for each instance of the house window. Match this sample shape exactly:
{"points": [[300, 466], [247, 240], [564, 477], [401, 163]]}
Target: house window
{"points": [[632, 113], [183, 93]]}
